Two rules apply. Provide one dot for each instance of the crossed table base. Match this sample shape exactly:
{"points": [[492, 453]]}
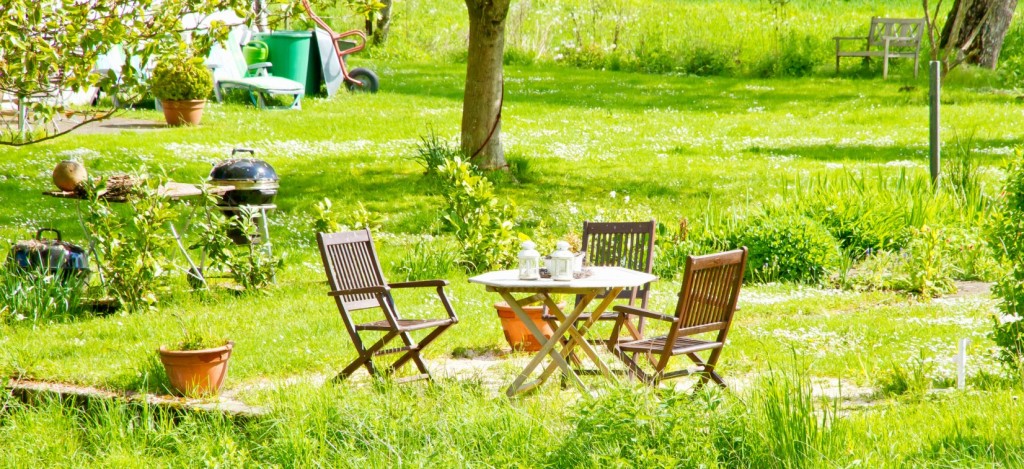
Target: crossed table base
{"points": [[607, 280]]}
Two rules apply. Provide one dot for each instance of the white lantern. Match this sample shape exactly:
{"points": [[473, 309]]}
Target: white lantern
{"points": [[561, 262], [529, 262]]}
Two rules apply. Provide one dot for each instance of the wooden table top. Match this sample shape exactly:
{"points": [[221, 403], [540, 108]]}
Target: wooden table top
{"points": [[602, 278], [170, 190]]}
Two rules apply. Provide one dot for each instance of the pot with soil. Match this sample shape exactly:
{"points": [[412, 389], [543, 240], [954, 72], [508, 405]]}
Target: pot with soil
{"points": [[196, 373], [198, 364]]}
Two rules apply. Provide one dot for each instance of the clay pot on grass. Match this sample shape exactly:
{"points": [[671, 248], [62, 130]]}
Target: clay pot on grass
{"points": [[196, 373], [182, 84], [183, 112], [516, 333]]}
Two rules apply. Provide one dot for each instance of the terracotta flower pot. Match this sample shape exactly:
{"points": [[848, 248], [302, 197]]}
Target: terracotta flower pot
{"points": [[183, 112], [516, 333], [197, 372]]}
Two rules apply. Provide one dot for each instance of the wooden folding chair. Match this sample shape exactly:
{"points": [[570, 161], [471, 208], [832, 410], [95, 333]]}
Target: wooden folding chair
{"points": [[707, 302], [357, 283], [619, 244]]}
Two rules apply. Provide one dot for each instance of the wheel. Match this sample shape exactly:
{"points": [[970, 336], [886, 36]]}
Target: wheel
{"points": [[368, 79], [195, 278]]}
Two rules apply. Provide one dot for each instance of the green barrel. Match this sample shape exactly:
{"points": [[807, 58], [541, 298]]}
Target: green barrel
{"points": [[289, 55]]}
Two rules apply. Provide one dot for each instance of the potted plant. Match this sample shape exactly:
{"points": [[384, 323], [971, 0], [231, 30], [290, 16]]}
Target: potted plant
{"points": [[198, 365], [182, 85], [516, 333]]}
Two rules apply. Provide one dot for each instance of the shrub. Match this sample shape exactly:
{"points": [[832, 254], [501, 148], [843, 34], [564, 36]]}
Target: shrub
{"points": [[481, 223], [795, 58], [707, 61], [672, 248], [132, 242], [786, 247], [925, 270], [1007, 227], [970, 255], [256, 268], [181, 78]]}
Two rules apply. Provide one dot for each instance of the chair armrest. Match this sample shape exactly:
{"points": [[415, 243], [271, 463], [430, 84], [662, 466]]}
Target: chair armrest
{"points": [[419, 284], [642, 312], [259, 65], [359, 291], [850, 38]]}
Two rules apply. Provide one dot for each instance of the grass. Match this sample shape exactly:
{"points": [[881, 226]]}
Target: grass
{"points": [[676, 146]]}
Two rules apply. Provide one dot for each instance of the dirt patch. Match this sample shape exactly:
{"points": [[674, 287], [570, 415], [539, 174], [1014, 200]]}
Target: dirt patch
{"points": [[972, 288]]}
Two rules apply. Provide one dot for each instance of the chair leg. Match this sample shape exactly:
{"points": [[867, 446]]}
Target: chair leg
{"points": [[365, 358], [709, 368], [632, 368], [415, 354]]}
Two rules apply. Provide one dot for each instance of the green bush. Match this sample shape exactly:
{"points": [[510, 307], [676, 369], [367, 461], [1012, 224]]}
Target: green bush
{"points": [[926, 270], [707, 61], [1007, 230], [795, 58], [133, 241], [181, 78], [481, 223], [785, 247]]}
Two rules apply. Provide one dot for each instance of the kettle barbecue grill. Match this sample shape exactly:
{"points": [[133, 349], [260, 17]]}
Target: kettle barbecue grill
{"points": [[255, 188]]}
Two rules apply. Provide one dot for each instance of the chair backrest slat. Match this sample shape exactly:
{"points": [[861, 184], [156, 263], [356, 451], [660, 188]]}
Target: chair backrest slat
{"points": [[711, 288], [621, 244], [350, 261]]}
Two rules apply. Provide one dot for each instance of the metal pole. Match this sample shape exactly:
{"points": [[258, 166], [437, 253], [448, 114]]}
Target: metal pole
{"points": [[934, 147]]}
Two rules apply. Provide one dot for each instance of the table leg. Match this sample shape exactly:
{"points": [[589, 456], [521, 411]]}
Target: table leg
{"points": [[193, 271], [577, 335], [547, 349], [264, 222], [92, 242]]}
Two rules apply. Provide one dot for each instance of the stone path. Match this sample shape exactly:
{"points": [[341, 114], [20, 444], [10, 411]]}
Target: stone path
{"points": [[118, 124]]}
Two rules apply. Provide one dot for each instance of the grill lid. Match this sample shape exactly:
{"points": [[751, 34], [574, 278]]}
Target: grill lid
{"points": [[243, 169]]}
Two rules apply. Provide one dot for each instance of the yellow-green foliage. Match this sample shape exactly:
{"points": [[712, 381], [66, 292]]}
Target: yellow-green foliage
{"points": [[181, 78]]}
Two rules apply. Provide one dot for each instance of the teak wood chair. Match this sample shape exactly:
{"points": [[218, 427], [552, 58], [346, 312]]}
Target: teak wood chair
{"points": [[619, 244], [707, 302], [357, 283]]}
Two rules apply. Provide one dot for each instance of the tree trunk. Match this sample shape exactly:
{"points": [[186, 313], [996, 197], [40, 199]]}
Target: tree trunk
{"points": [[481, 106], [981, 30], [383, 23]]}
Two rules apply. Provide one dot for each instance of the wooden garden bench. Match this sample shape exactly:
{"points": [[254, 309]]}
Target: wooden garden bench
{"points": [[888, 38]]}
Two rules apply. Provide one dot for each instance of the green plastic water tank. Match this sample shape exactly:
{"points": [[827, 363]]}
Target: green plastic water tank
{"points": [[289, 55]]}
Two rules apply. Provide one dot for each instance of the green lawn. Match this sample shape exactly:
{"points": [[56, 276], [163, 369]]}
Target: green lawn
{"points": [[666, 146]]}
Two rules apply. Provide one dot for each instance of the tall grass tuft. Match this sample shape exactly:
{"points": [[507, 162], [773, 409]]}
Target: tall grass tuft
{"points": [[785, 425], [962, 178], [36, 298]]}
